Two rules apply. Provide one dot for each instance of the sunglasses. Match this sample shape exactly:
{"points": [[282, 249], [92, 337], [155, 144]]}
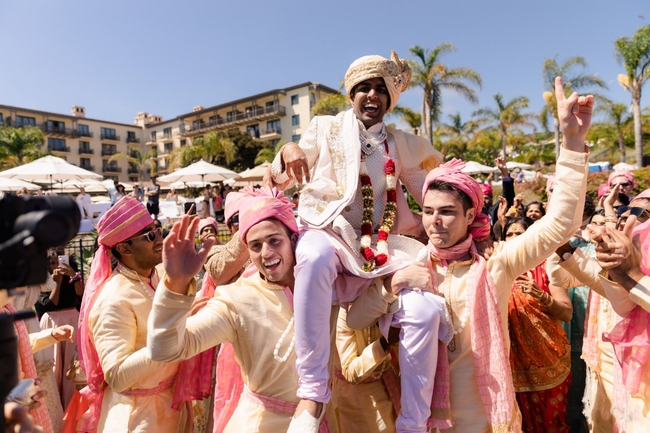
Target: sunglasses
{"points": [[641, 214], [624, 184], [150, 235], [234, 220]]}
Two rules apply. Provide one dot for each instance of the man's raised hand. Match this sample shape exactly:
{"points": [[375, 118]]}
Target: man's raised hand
{"points": [[574, 114], [180, 258]]}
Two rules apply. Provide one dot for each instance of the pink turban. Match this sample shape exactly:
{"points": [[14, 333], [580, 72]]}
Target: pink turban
{"points": [[263, 204], [644, 194], [603, 189], [126, 218], [627, 174], [450, 172], [205, 222], [487, 189], [232, 201]]}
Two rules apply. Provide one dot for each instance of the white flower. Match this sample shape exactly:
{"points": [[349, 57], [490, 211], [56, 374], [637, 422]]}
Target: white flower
{"points": [[365, 241]]}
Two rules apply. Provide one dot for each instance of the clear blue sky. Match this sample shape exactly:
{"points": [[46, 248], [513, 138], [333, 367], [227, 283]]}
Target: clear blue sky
{"points": [[119, 57]]}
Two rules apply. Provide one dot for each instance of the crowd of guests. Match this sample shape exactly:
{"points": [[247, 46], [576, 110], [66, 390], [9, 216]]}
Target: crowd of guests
{"points": [[362, 316]]}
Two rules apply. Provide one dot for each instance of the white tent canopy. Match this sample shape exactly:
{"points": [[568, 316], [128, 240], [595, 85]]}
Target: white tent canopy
{"points": [[9, 184], [623, 166], [253, 174], [473, 167], [514, 164], [49, 169], [199, 171]]}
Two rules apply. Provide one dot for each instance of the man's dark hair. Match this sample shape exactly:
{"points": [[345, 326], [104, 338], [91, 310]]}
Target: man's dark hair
{"points": [[354, 89], [465, 200], [116, 253]]}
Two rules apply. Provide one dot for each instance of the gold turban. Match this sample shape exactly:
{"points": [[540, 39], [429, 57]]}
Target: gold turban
{"points": [[396, 74]]}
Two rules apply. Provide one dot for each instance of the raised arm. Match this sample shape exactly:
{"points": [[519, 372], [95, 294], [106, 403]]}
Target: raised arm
{"points": [[292, 164]]}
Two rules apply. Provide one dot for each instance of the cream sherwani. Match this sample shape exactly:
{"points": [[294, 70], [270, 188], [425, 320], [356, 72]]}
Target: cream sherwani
{"points": [[252, 314], [118, 322], [505, 265]]}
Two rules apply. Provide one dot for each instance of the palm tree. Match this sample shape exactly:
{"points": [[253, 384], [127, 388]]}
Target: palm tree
{"points": [[433, 77], [617, 118], [413, 119], [139, 161], [571, 82], [20, 145], [634, 55], [505, 116], [208, 148], [267, 154], [330, 105]]}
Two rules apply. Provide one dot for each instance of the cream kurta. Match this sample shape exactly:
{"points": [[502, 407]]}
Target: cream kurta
{"points": [[505, 265], [118, 323], [252, 314], [361, 407]]}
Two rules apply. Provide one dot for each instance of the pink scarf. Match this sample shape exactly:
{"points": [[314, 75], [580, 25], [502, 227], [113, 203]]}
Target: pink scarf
{"points": [[490, 352], [41, 417]]}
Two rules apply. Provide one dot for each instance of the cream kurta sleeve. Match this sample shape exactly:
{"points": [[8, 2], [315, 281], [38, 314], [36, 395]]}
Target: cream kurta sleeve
{"points": [[623, 302], [308, 143], [369, 306], [556, 227], [173, 336], [577, 271], [41, 340], [114, 333], [354, 366], [224, 262]]}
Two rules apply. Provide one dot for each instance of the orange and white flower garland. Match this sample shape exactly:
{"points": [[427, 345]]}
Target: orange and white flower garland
{"points": [[372, 260]]}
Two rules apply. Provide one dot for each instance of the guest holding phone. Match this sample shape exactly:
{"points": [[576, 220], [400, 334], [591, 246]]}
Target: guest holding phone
{"points": [[69, 287]]}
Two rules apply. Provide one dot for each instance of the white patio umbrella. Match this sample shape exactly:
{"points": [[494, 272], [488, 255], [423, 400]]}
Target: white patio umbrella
{"points": [[192, 184], [108, 184], [9, 184], [514, 164], [473, 167], [50, 168], [199, 171], [253, 174]]}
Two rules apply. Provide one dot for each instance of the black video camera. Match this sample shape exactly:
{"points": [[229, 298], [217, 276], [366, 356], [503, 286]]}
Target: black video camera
{"points": [[28, 227]]}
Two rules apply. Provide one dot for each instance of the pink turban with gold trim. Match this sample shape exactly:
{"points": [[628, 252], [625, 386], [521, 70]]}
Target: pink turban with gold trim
{"points": [[262, 204], [451, 173]]}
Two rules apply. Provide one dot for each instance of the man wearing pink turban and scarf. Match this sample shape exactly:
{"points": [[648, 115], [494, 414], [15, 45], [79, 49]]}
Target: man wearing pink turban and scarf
{"points": [[473, 383], [255, 314], [127, 390], [625, 180]]}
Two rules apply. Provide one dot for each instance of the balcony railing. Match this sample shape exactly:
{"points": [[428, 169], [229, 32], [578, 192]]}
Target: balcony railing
{"points": [[59, 131], [167, 136], [86, 151], [256, 113], [107, 152], [111, 169], [276, 130], [88, 167], [133, 170], [110, 137], [84, 133], [132, 139], [60, 149]]}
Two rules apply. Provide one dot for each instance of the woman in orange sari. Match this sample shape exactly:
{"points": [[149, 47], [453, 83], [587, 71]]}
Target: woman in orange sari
{"points": [[540, 353]]}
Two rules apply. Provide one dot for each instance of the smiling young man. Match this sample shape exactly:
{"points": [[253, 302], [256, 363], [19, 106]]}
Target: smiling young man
{"points": [[127, 391], [350, 211], [476, 364], [254, 313]]}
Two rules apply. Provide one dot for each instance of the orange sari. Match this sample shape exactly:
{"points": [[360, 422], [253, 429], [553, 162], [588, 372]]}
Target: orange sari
{"points": [[540, 358]]}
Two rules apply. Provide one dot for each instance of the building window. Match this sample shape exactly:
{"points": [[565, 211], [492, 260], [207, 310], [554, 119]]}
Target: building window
{"points": [[109, 149], [83, 130], [55, 126], [274, 142], [153, 135], [108, 134], [130, 137], [84, 147], [253, 130], [25, 121], [229, 116], [169, 147], [167, 133], [312, 99], [273, 127], [1, 119], [295, 138], [110, 166], [212, 120], [131, 178], [270, 105], [295, 120], [183, 143], [85, 163], [56, 144], [294, 99]]}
